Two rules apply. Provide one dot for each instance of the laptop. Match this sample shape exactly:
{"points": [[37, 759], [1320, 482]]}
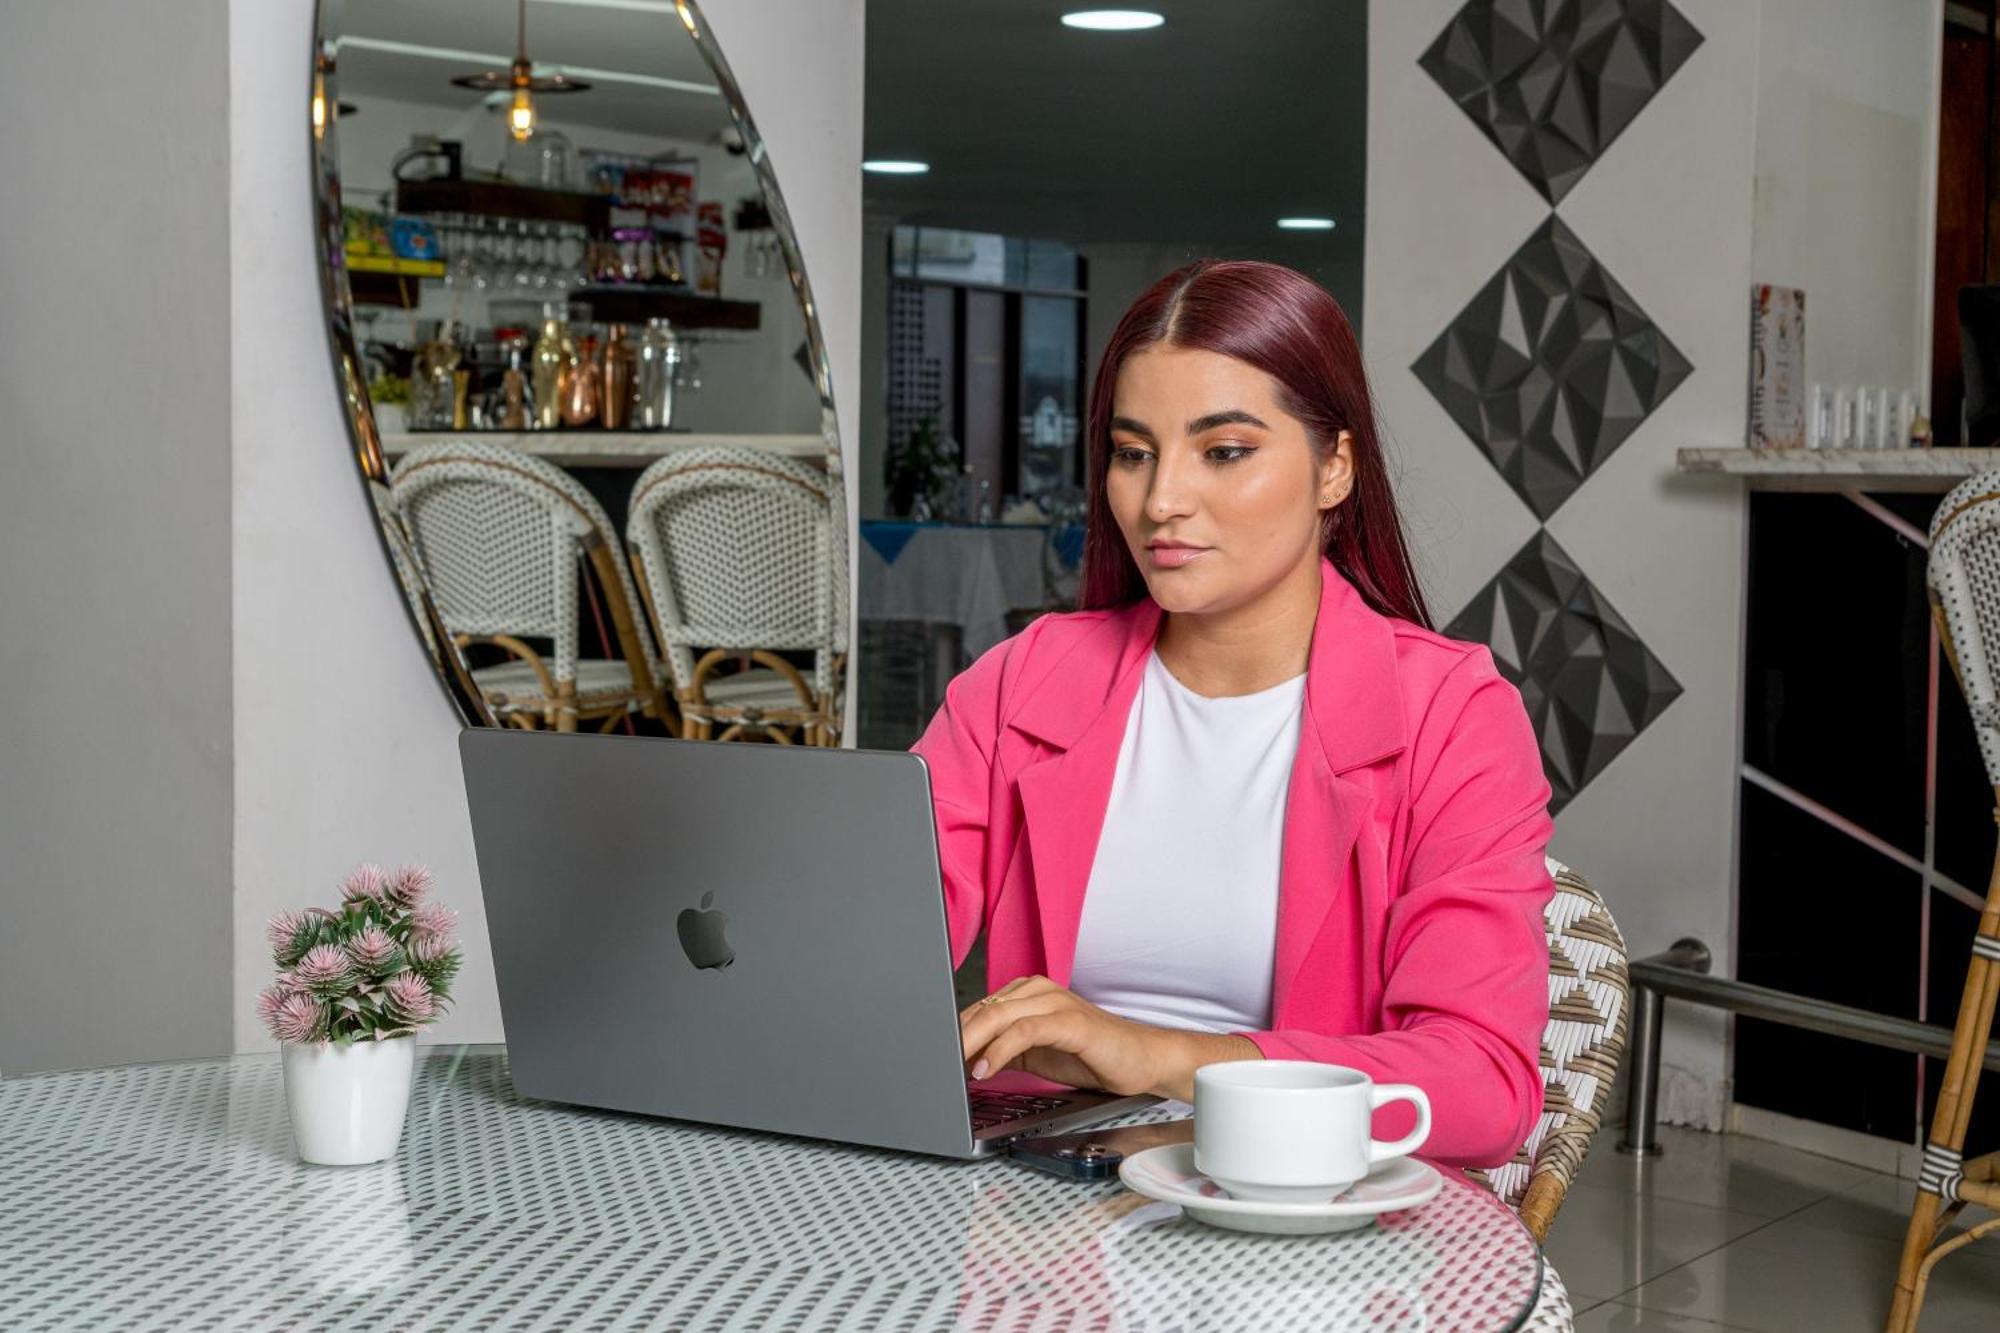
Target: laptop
{"points": [[744, 935]]}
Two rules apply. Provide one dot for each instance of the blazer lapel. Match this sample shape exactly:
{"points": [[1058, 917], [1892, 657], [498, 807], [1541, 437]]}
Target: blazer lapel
{"points": [[1353, 716], [1079, 712]]}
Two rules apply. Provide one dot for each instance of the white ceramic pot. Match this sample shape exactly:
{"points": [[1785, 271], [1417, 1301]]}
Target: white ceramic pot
{"points": [[348, 1101]]}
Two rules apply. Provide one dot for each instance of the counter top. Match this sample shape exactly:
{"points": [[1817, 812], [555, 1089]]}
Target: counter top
{"points": [[1843, 469], [611, 448]]}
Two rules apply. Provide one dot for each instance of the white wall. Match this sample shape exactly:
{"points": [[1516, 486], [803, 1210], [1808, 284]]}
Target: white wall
{"points": [[345, 749], [1668, 211], [1846, 139], [114, 547]]}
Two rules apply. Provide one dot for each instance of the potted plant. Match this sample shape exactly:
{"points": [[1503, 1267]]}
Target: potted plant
{"points": [[353, 987], [389, 397], [923, 468]]}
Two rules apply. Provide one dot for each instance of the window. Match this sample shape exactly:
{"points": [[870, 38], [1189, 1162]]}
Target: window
{"points": [[986, 338]]}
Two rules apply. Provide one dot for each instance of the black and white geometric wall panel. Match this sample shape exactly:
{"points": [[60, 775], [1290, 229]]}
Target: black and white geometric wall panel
{"points": [[1553, 82], [1550, 367], [1589, 684]]}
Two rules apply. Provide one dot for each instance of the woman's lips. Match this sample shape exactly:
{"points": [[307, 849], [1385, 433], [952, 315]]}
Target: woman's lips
{"points": [[1173, 557]]}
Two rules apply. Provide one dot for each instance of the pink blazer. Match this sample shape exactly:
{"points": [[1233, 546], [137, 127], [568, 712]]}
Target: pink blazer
{"points": [[1412, 884]]}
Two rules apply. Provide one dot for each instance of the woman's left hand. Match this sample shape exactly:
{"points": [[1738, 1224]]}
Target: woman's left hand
{"points": [[1033, 1024]]}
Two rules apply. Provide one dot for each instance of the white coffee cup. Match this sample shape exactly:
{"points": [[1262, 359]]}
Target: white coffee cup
{"points": [[1294, 1131]]}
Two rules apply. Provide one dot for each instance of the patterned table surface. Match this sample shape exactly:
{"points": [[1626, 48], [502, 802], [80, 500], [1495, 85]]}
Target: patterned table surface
{"points": [[168, 1196]]}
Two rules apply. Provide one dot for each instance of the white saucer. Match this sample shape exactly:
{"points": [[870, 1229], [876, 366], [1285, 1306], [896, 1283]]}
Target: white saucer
{"points": [[1167, 1173]]}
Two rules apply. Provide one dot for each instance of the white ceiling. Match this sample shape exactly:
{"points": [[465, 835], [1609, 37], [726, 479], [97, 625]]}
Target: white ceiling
{"points": [[594, 39]]}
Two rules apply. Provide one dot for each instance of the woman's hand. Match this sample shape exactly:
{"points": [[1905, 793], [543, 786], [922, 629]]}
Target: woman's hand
{"points": [[1035, 1025]]}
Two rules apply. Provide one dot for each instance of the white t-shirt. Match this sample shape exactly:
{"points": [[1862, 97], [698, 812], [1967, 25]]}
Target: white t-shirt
{"points": [[1180, 915]]}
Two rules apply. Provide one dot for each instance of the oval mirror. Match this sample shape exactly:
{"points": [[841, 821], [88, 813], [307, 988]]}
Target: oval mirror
{"points": [[584, 379]]}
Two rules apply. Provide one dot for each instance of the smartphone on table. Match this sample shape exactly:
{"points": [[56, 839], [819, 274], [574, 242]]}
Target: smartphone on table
{"points": [[1094, 1154]]}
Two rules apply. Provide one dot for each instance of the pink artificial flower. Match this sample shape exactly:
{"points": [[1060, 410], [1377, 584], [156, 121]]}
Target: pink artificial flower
{"points": [[371, 950], [268, 1002], [410, 997], [365, 883], [408, 885], [296, 1018], [282, 928], [434, 919], [429, 946], [324, 970]]}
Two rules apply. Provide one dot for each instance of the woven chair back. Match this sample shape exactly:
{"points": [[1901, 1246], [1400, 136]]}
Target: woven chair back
{"points": [[1964, 582], [1589, 995], [499, 535], [741, 549]]}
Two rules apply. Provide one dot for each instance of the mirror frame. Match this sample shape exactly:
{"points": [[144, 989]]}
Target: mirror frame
{"points": [[426, 626]]}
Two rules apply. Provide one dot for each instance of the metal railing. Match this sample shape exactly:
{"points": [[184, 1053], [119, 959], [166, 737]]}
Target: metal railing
{"points": [[1681, 973]]}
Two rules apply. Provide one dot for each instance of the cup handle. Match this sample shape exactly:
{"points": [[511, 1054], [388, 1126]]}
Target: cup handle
{"points": [[1382, 1095]]}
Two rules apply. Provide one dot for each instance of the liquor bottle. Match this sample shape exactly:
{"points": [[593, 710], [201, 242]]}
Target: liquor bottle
{"points": [[584, 388], [617, 411]]}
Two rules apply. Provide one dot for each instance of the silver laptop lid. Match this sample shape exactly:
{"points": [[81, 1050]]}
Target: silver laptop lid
{"points": [[750, 935]]}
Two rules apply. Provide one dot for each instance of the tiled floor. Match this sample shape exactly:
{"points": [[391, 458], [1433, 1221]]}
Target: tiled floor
{"points": [[1728, 1233]]}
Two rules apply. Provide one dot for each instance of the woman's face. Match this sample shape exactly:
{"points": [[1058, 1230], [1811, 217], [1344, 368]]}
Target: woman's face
{"points": [[1216, 488]]}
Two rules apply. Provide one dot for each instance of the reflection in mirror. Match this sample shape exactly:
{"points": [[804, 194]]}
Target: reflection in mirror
{"points": [[576, 347], [1025, 180]]}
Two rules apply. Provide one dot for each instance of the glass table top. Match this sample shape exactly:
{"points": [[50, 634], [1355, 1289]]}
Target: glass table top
{"points": [[169, 1196]]}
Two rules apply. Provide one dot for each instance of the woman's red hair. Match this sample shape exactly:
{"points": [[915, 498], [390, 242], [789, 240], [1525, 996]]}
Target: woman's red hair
{"points": [[1286, 325]]}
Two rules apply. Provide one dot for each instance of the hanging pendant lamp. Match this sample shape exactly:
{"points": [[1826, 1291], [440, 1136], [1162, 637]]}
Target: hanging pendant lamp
{"points": [[521, 81]]}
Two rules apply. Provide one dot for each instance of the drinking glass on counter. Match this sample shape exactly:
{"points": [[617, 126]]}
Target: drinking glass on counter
{"points": [[1819, 416], [1860, 416], [1869, 416]]}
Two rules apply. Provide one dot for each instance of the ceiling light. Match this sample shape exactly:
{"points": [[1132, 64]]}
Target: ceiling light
{"points": [[460, 56], [520, 82], [1305, 224], [1113, 20], [889, 166]]}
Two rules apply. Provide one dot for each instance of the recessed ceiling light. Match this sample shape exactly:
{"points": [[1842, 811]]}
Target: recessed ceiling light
{"points": [[1305, 224], [1113, 20], [889, 166]]}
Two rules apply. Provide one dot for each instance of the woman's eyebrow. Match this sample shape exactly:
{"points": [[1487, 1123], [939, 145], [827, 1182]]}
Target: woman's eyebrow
{"points": [[1234, 416]]}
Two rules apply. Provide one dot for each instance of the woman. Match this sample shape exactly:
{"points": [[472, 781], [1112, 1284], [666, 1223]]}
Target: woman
{"points": [[1246, 803]]}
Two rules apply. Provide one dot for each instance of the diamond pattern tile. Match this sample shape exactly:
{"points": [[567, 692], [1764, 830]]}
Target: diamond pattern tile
{"points": [[1553, 82], [1551, 367], [1589, 684]]}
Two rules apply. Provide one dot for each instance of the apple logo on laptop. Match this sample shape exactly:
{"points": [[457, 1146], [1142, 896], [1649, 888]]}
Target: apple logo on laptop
{"points": [[702, 938]]}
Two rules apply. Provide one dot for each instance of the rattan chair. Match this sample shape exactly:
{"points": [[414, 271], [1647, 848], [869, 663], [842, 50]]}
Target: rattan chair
{"points": [[498, 535], [1589, 996], [1964, 582], [403, 560], [740, 556]]}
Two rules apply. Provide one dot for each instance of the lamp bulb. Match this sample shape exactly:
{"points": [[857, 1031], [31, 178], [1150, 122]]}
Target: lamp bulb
{"points": [[521, 115]]}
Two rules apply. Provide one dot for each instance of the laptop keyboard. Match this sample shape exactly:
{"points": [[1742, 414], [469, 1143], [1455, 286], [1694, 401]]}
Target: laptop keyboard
{"points": [[997, 1108]]}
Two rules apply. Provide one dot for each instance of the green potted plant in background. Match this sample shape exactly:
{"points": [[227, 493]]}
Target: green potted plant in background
{"points": [[353, 987], [389, 396], [923, 468]]}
